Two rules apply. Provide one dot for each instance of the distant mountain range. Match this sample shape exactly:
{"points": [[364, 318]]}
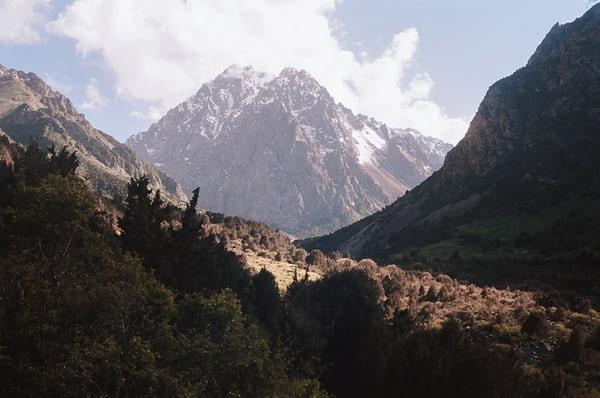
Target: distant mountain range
{"points": [[32, 110], [279, 149], [523, 186]]}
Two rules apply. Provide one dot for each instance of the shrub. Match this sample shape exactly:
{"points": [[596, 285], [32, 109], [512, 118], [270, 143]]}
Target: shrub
{"points": [[467, 318], [446, 293], [558, 315], [431, 295], [443, 278], [536, 323], [316, 258], [300, 255], [594, 340], [573, 350]]}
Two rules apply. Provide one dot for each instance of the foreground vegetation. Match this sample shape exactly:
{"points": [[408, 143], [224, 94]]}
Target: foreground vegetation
{"points": [[163, 307]]}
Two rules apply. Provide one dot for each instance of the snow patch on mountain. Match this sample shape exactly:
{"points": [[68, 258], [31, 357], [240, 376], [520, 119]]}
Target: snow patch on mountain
{"points": [[367, 141], [279, 149]]}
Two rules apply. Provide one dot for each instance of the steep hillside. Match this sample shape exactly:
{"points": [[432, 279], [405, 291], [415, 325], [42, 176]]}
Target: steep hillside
{"points": [[523, 186], [281, 150], [32, 110]]}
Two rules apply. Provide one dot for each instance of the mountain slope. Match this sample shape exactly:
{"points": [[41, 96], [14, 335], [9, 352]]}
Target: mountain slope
{"points": [[280, 150], [30, 109], [523, 183]]}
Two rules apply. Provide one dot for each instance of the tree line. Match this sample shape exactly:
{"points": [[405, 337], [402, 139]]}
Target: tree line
{"points": [[160, 309]]}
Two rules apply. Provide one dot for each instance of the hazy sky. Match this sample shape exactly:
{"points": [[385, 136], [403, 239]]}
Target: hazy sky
{"points": [[410, 63]]}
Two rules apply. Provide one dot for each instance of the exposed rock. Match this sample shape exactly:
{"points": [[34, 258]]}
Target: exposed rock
{"points": [[32, 110], [281, 150]]}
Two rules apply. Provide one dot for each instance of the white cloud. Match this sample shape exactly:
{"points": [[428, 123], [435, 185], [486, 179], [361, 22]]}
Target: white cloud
{"points": [[22, 20], [151, 113], [163, 50], [94, 100], [58, 83]]}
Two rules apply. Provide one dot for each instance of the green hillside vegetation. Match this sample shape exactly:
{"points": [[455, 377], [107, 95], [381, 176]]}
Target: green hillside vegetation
{"points": [[528, 249], [164, 309], [83, 314]]}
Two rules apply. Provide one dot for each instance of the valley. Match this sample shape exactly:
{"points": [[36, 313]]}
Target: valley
{"points": [[167, 266], [517, 199]]}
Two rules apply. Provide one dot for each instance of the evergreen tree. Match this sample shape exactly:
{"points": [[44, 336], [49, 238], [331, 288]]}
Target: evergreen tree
{"points": [[266, 303], [141, 224], [63, 163], [80, 318], [190, 221], [337, 328]]}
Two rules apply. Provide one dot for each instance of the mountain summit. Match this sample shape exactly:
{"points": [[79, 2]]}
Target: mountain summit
{"points": [[32, 110], [279, 149]]}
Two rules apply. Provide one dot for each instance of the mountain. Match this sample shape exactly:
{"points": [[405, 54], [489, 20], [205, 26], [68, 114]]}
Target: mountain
{"points": [[30, 109], [523, 186], [281, 150]]}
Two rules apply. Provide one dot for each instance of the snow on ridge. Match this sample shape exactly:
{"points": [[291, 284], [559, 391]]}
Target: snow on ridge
{"points": [[242, 132], [248, 74], [367, 142]]}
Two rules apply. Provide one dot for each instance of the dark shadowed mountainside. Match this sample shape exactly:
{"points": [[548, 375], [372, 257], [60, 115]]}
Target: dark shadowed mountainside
{"points": [[522, 187]]}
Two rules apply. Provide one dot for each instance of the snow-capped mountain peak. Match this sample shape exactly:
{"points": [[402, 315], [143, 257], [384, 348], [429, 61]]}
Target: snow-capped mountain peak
{"points": [[280, 149]]}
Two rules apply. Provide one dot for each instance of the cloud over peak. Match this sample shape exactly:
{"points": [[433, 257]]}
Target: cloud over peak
{"points": [[163, 50], [94, 100]]}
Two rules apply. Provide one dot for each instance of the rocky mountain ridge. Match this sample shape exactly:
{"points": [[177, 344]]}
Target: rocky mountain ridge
{"points": [[279, 149], [31, 110], [524, 181]]}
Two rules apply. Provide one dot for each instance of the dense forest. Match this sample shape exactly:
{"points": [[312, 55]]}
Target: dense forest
{"points": [[155, 307]]}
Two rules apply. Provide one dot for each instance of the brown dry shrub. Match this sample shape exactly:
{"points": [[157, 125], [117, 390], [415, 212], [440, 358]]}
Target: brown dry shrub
{"points": [[300, 255], [427, 311], [467, 318], [316, 258], [443, 278], [345, 263], [446, 293], [558, 314]]}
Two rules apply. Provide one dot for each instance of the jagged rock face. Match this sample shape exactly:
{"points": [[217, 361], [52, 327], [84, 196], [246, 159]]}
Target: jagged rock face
{"points": [[534, 142], [30, 109], [557, 90], [281, 150]]}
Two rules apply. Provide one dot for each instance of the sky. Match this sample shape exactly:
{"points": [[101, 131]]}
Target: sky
{"points": [[420, 64]]}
